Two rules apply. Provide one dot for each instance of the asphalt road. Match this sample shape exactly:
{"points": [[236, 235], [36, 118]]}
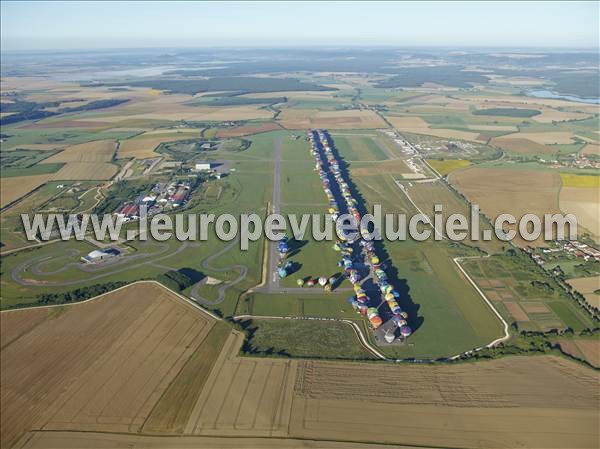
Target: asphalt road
{"points": [[272, 285]]}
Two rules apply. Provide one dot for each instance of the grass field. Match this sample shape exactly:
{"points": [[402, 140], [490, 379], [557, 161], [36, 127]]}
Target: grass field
{"points": [[303, 338], [358, 148], [447, 314], [524, 294]]}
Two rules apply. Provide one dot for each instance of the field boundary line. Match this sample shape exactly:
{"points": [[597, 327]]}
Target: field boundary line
{"points": [[401, 187], [506, 336], [147, 281], [367, 444], [35, 245]]}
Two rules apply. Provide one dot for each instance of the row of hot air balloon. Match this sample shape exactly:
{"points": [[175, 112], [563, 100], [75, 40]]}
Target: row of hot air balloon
{"points": [[344, 246], [327, 284]]}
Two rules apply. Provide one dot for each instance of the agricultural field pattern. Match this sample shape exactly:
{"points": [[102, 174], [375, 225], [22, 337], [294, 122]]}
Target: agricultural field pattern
{"points": [[300, 342]]}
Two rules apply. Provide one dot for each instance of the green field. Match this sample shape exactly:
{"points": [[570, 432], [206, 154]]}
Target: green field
{"points": [[508, 112], [303, 338], [358, 148], [517, 279]]}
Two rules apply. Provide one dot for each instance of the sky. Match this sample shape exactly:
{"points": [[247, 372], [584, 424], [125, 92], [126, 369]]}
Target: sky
{"points": [[75, 25]]}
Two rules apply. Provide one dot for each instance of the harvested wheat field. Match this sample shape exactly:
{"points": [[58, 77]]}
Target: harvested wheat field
{"points": [[14, 188], [545, 138], [96, 151], [151, 364], [522, 146], [78, 440], [416, 125], [143, 146], [588, 288], [84, 171], [347, 119], [511, 402], [590, 350], [584, 203], [101, 365], [549, 115], [591, 149], [244, 396], [506, 191]]}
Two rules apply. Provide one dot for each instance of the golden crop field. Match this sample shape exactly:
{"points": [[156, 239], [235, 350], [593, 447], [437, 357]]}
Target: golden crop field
{"points": [[417, 125], [588, 287], [140, 361], [83, 171], [347, 119], [522, 146], [100, 365], [583, 349], [573, 180], [15, 187], [591, 149], [95, 151], [506, 191], [460, 406], [448, 165], [544, 138], [143, 146]]}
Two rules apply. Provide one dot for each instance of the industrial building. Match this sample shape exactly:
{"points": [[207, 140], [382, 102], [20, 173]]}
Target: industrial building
{"points": [[202, 166], [100, 255]]}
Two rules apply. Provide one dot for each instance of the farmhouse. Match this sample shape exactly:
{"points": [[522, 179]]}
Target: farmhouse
{"points": [[101, 254]]}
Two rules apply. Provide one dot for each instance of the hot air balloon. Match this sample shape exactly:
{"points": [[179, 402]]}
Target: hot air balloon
{"points": [[300, 282], [405, 331], [322, 281], [376, 321]]}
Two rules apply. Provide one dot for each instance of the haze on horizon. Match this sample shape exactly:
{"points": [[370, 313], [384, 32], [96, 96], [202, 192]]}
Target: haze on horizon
{"points": [[77, 25]]}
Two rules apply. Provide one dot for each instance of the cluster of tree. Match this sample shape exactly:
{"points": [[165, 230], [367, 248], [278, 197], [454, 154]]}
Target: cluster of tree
{"points": [[120, 192], [238, 84], [175, 280], [28, 110], [449, 75], [528, 342], [79, 294], [242, 101]]}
